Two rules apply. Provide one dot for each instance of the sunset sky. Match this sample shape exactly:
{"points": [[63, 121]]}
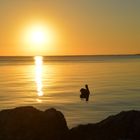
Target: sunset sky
{"points": [[69, 27]]}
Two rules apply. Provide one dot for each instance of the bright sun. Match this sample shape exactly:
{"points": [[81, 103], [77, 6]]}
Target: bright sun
{"points": [[38, 36]]}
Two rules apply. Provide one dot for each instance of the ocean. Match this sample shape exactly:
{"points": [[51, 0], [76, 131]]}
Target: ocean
{"points": [[55, 82]]}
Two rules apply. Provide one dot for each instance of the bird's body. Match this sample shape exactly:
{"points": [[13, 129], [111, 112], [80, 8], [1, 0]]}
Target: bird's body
{"points": [[85, 92]]}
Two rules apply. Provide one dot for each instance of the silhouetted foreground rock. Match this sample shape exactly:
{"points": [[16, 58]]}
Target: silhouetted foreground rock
{"points": [[28, 123], [123, 126]]}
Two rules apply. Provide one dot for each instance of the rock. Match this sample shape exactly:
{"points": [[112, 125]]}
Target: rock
{"points": [[28, 123], [123, 126]]}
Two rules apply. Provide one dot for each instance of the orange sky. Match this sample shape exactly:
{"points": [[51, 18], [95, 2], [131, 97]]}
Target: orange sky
{"points": [[78, 27]]}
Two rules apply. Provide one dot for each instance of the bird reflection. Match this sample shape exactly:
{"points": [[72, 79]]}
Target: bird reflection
{"points": [[38, 74]]}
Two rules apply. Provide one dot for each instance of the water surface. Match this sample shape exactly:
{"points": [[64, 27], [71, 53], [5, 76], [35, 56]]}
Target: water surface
{"points": [[55, 82]]}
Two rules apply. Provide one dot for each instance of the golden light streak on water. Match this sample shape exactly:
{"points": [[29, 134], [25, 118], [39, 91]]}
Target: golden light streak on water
{"points": [[38, 74]]}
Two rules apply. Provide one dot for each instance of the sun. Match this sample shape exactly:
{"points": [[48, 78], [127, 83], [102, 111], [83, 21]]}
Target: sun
{"points": [[37, 37]]}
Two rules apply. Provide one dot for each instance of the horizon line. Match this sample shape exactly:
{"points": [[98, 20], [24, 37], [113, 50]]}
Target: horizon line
{"points": [[68, 55]]}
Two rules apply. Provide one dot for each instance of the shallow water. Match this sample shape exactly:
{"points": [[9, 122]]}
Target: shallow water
{"points": [[55, 82]]}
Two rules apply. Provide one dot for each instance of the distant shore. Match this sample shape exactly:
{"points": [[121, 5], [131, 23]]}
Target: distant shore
{"points": [[73, 55]]}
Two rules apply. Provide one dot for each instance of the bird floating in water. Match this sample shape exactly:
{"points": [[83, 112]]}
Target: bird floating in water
{"points": [[85, 93]]}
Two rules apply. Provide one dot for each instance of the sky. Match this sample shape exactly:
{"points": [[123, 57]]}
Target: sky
{"points": [[72, 27]]}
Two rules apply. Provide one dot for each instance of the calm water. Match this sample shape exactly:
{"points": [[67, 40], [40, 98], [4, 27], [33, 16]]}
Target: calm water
{"points": [[114, 82]]}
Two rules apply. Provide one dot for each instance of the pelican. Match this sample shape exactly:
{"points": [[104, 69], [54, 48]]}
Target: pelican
{"points": [[85, 92]]}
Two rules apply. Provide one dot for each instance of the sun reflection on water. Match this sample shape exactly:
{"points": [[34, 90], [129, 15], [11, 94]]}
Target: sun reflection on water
{"points": [[38, 74]]}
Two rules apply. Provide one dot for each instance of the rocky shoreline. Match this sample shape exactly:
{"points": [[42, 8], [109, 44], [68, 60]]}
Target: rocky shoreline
{"points": [[28, 123]]}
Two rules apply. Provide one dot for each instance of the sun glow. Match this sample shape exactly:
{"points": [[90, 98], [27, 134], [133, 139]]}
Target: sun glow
{"points": [[38, 38]]}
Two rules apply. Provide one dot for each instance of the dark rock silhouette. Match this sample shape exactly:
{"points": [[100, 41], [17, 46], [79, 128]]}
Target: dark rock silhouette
{"points": [[28, 123], [85, 93], [124, 126]]}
